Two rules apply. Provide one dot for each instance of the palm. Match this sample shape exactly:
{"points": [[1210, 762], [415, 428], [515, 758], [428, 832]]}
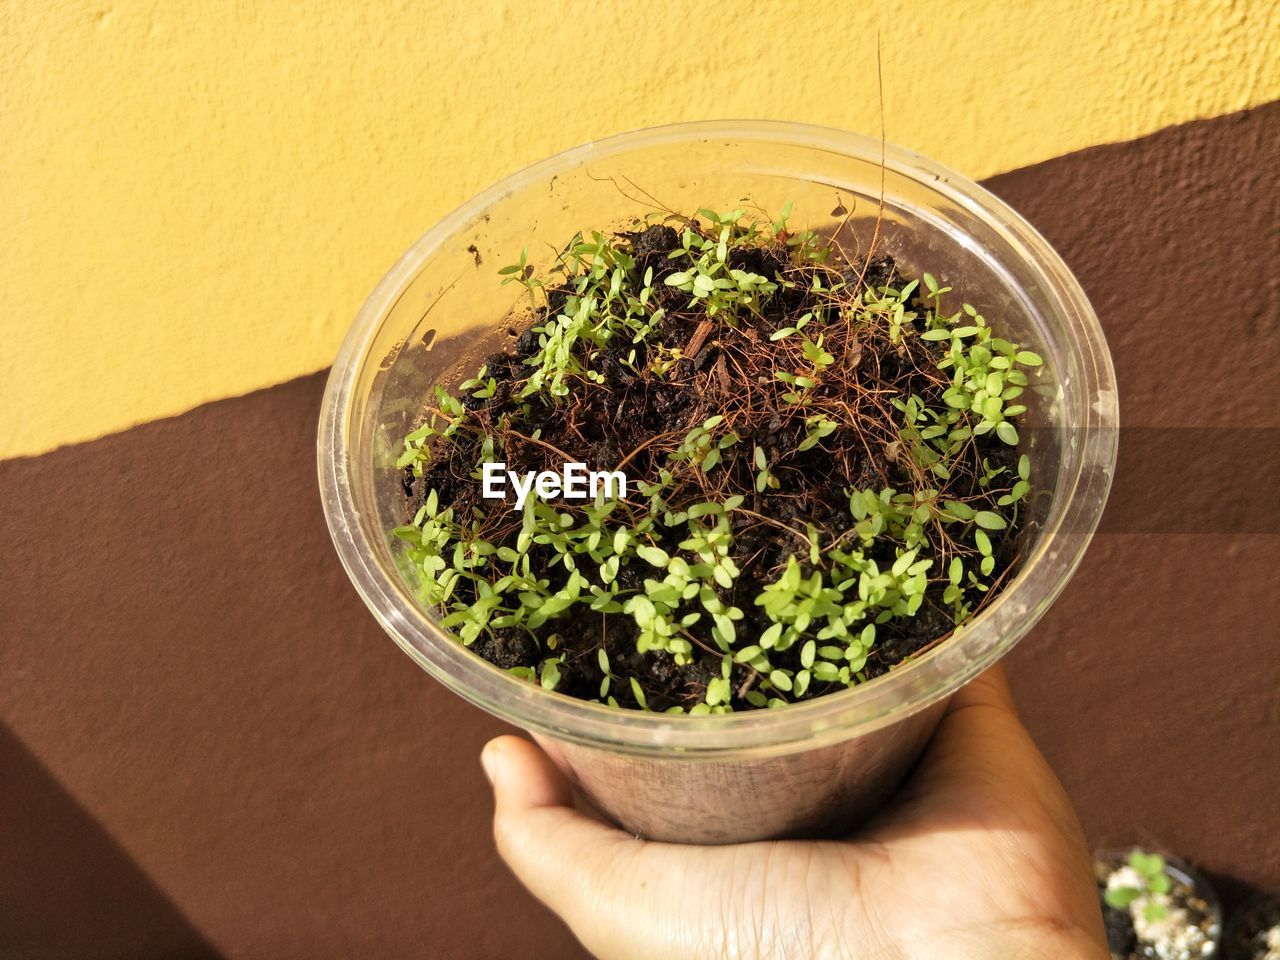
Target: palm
{"points": [[980, 857]]}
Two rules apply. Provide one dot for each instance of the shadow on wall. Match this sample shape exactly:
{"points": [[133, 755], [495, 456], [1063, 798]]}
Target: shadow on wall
{"points": [[67, 889]]}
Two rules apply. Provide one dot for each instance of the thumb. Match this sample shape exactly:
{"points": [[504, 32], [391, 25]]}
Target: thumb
{"points": [[563, 856], [604, 883], [522, 777]]}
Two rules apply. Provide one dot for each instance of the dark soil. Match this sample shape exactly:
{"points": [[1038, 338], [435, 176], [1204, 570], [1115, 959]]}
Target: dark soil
{"points": [[725, 370], [1247, 932], [1121, 938]]}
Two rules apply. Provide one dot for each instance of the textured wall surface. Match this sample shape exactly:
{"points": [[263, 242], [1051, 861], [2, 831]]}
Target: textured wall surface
{"points": [[214, 751], [198, 196]]}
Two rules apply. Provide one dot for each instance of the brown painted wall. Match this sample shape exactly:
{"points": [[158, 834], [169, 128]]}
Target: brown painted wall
{"points": [[1154, 684], [211, 748]]}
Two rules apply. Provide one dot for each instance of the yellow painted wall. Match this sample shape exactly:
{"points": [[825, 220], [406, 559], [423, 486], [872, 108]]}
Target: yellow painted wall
{"points": [[198, 195]]}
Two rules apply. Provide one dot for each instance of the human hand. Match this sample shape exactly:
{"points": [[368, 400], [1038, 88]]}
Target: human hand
{"points": [[979, 857]]}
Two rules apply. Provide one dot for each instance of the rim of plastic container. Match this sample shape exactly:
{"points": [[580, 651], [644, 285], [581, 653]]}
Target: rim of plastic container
{"points": [[903, 691]]}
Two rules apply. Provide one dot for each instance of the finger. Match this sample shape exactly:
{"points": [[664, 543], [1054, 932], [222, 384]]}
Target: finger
{"points": [[982, 762], [989, 688], [549, 844], [981, 733], [522, 776], [981, 723], [565, 858], [985, 763], [604, 883], [979, 749]]}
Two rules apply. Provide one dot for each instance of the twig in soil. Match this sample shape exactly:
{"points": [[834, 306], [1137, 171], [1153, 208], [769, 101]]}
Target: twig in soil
{"points": [[694, 346]]}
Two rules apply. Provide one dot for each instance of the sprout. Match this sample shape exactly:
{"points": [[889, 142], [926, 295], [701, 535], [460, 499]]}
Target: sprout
{"points": [[776, 377]]}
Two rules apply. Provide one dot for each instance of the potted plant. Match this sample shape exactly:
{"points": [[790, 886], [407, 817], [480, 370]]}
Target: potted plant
{"points": [[824, 473], [1253, 932], [1157, 907], [845, 518]]}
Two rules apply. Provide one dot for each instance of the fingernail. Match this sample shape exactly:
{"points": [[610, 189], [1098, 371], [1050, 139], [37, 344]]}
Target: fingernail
{"points": [[488, 762]]}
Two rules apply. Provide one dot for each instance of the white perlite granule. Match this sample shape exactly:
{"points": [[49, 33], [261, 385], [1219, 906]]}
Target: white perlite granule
{"points": [[1273, 944]]}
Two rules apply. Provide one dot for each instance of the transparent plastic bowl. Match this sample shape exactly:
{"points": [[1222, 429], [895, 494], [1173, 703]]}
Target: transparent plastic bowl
{"points": [[811, 768]]}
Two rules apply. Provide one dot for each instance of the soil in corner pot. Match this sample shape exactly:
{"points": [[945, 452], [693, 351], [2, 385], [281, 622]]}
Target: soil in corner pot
{"points": [[1155, 908], [820, 456], [1254, 932]]}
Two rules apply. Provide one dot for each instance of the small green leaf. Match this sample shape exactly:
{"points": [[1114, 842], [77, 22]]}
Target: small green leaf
{"points": [[770, 636], [1154, 912], [1120, 897], [550, 674], [638, 694], [653, 555], [989, 520]]}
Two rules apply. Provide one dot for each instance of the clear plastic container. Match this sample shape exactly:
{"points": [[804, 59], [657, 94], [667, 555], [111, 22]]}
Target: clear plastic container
{"points": [[811, 768]]}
